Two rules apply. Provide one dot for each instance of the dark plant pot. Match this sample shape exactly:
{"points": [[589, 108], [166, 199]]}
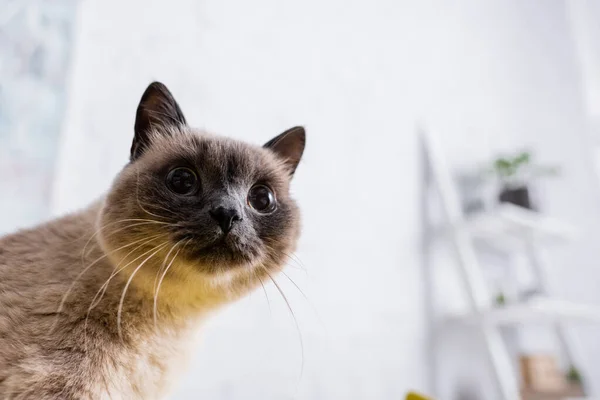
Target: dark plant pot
{"points": [[517, 196]]}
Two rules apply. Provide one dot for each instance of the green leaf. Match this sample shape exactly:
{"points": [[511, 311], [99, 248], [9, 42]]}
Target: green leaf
{"points": [[502, 164], [573, 375], [523, 158], [500, 299]]}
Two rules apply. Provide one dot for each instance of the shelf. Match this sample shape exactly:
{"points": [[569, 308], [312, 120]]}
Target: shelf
{"points": [[574, 393], [546, 396], [508, 226], [532, 312]]}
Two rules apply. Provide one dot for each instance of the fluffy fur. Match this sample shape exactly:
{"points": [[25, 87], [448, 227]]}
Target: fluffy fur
{"points": [[100, 304]]}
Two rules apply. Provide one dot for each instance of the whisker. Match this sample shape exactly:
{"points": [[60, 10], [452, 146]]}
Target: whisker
{"points": [[156, 280], [296, 258], [137, 197], [68, 292], [293, 317], [294, 283], [160, 208], [120, 308], [265, 292], [144, 221], [161, 280], [305, 298], [103, 288], [163, 265], [297, 263], [116, 272]]}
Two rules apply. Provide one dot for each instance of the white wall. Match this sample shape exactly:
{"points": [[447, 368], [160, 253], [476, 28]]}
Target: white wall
{"points": [[359, 75], [35, 43]]}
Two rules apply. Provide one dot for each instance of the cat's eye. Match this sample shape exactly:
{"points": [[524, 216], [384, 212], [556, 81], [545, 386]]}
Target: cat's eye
{"points": [[262, 199], [182, 181]]}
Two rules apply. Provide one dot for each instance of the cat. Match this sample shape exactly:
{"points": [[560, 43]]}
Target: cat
{"points": [[102, 303]]}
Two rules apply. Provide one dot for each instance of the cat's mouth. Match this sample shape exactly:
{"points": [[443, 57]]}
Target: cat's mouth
{"points": [[225, 251]]}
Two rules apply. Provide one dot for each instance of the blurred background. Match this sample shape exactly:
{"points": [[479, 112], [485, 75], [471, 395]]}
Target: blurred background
{"points": [[450, 188]]}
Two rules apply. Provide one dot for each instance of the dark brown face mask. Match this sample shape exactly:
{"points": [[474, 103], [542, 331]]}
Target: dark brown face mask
{"points": [[225, 201]]}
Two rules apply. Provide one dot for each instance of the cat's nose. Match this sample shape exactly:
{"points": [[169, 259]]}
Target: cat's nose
{"points": [[226, 217]]}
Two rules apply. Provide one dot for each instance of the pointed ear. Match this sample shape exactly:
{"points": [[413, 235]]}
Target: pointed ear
{"points": [[157, 109], [289, 146]]}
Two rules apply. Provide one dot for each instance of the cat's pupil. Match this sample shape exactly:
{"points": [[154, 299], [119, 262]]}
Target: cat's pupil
{"points": [[182, 180], [261, 198]]}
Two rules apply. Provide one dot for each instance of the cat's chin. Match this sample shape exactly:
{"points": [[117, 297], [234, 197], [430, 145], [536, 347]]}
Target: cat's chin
{"points": [[223, 254]]}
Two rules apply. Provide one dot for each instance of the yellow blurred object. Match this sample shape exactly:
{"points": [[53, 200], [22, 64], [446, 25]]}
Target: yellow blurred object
{"points": [[416, 396]]}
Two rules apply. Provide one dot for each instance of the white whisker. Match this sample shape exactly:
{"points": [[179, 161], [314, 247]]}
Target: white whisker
{"points": [[265, 292], [117, 270], [293, 317], [171, 212], [103, 288], [120, 309], [68, 292], [137, 197], [143, 222], [155, 305]]}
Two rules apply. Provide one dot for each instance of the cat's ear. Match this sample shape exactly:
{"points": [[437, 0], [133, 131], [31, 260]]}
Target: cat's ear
{"points": [[289, 146], [157, 109]]}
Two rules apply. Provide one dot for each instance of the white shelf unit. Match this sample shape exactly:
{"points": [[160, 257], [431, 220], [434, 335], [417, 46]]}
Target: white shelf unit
{"points": [[511, 227], [537, 311], [506, 228]]}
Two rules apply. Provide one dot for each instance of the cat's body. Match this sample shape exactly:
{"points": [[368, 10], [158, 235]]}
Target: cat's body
{"points": [[103, 303], [37, 267]]}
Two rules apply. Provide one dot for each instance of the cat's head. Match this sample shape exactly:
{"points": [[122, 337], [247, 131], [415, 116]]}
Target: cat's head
{"points": [[212, 204]]}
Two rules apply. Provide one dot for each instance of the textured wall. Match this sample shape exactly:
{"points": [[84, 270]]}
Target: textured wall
{"points": [[35, 43]]}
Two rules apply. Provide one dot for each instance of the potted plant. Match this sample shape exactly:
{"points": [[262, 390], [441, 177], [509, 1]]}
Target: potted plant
{"points": [[574, 376], [515, 174], [575, 382]]}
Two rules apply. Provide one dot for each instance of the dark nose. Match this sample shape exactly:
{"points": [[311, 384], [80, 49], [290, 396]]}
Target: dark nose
{"points": [[226, 217]]}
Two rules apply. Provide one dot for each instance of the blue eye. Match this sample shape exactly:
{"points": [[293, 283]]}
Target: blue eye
{"points": [[262, 199], [182, 181]]}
